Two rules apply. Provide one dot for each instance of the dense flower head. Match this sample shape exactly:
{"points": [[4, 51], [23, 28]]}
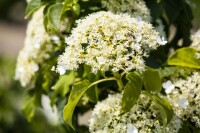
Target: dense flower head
{"points": [[37, 46], [107, 41], [184, 95], [142, 118], [136, 8]]}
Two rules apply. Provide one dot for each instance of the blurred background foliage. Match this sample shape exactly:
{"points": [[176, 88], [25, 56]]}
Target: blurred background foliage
{"points": [[11, 94], [11, 98]]}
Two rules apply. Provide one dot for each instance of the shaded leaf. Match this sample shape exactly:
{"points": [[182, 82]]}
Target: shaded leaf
{"points": [[29, 108], [47, 82], [54, 15], [167, 71], [91, 93], [132, 91], [173, 8], [185, 57], [77, 91], [152, 80], [32, 6], [31, 102], [155, 7], [164, 107]]}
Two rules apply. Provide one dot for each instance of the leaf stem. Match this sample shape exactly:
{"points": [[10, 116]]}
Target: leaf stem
{"points": [[119, 81]]}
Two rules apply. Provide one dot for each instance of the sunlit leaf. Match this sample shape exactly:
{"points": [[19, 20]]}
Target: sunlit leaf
{"points": [[62, 86], [185, 57], [76, 10], [77, 91]]}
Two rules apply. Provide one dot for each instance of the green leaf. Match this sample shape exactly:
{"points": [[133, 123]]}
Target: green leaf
{"points": [[155, 7], [28, 108], [67, 5], [184, 22], [167, 71], [46, 19], [32, 6], [179, 13], [164, 107], [62, 86], [173, 8], [47, 82], [185, 57], [31, 102], [132, 91], [54, 15], [152, 80], [76, 10], [91, 93], [71, 5], [77, 91]]}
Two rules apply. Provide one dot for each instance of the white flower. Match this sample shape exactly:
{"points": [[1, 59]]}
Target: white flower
{"points": [[197, 55], [109, 42], [183, 103], [161, 41], [61, 70], [136, 8], [142, 118], [185, 97], [56, 39], [168, 86], [131, 129], [49, 112]]}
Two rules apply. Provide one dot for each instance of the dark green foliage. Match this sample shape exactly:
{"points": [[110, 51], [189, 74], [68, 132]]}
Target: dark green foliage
{"points": [[152, 80], [166, 111], [175, 13], [132, 91]]}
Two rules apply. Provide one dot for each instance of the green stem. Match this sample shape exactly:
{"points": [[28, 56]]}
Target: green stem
{"points": [[119, 81], [102, 80]]}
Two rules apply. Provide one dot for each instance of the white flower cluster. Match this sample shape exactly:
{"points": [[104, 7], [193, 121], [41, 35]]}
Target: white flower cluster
{"points": [[142, 118], [107, 41], [196, 42], [36, 49], [136, 8], [184, 95]]}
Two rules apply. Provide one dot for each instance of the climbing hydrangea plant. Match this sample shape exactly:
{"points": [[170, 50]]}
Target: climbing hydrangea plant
{"points": [[111, 57]]}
